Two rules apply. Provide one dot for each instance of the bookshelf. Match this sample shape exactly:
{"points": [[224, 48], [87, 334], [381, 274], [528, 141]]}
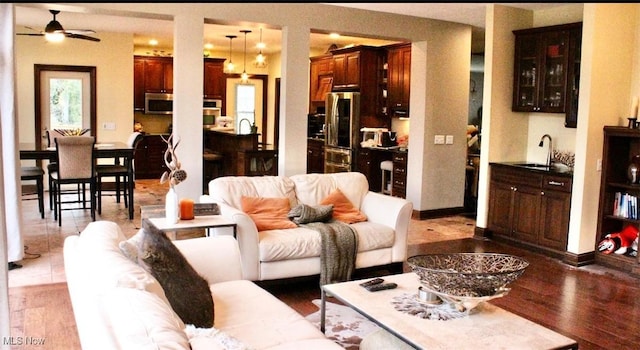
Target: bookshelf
{"points": [[621, 144]]}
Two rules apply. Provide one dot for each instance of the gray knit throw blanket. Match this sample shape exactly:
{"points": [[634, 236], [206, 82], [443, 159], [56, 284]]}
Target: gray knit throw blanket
{"points": [[338, 251]]}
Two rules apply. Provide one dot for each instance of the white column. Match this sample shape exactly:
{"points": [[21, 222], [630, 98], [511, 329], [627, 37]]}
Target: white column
{"points": [[292, 149], [187, 104]]}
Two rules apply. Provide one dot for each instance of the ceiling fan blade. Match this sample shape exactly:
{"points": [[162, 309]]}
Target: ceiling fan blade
{"points": [[80, 31], [30, 34], [80, 36]]}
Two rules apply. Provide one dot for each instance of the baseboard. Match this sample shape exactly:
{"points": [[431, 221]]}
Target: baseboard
{"points": [[578, 260], [436, 213]]}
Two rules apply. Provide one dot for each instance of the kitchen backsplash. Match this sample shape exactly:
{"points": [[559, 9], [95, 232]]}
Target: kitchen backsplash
{"points": [[153, 123]]}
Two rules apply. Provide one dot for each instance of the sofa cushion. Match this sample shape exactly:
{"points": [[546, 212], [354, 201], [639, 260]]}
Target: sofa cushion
{"points": [[141, 320], [187, 292], [258, 319], [310, 189], [268, 213], [303, 242], [343, 209], [230, 189]]}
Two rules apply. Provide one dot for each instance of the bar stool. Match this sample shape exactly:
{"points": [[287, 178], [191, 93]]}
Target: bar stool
{"points": [[387, 176], [211, 169], [35, 173]]}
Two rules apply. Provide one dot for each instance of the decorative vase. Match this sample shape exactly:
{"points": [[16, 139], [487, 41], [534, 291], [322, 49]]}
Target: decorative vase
{"points": [[633, 170], [171, 206]]}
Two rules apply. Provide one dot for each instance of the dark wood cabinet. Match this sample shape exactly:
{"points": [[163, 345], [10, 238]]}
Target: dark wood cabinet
{"points": [[214, 80], [138, 84], [399, 187], [621, 144], [149, 158], [398, 82], [545, 69], [158, 74], [368, 163], [320, 80], [315, 156], [346, 71], [530, 207]]}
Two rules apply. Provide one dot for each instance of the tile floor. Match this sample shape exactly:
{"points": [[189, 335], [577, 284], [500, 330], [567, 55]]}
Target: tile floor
{"points": [[43, 262]]}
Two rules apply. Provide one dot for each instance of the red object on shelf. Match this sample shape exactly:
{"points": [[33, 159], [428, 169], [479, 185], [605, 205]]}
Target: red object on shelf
{"points": [[553, 50], [186, 209]]}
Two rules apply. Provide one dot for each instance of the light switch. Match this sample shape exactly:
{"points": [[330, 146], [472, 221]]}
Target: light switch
{"points": [[109, 126], [449, 140], [438, 140]]}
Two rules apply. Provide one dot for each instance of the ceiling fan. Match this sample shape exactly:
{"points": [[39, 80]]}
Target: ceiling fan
{"points": [[54, 31]]}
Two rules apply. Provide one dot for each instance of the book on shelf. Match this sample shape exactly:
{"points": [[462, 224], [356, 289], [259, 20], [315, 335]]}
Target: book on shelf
{"points": [[625, 205]]}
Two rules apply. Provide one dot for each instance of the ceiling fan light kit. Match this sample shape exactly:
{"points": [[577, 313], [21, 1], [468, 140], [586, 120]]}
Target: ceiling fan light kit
{"points": [[54, 32]]}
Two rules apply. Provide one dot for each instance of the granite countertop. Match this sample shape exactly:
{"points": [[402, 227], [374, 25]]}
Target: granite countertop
{"points": [[554, 169]]}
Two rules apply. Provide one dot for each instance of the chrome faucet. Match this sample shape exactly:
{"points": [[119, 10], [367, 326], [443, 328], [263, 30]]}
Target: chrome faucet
{"points": [[240, 124], [550, 147]]}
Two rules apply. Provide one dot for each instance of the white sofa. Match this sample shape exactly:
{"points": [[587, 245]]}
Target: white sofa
{"points": [[295, 252], [118, 305]]}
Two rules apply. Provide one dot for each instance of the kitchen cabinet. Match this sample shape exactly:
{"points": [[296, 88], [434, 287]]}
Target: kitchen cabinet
{"points": [[621, 144], [398, 82], [368, 163], [530, 207], [321, 80], [214, 79], [399, 187], [315, 156], [149, 157], [546, 70], [356, 69], [158, 74], [138, 84]]}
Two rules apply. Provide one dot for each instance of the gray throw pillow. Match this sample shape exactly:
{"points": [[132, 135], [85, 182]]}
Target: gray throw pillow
{"points": [[303, 214], [187, 291]]}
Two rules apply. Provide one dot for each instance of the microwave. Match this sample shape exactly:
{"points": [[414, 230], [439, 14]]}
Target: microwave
{"points": [[158, 103]]}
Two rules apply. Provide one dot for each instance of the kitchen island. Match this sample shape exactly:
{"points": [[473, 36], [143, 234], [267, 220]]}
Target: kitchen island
{"points": [[242, 154]]}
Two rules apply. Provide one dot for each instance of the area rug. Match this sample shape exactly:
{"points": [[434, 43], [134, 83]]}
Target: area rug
{"points": [[343, 325]]}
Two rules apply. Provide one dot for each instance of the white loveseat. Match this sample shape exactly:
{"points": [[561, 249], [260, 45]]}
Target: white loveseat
{"points": [[118, 305], [295, 252]]}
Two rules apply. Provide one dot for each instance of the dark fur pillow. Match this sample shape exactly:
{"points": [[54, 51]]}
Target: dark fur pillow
{"points": [[187, 291]]}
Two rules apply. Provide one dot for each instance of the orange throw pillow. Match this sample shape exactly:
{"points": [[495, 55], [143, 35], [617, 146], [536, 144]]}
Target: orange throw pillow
{"points": [[268, 213], [343, 209]]}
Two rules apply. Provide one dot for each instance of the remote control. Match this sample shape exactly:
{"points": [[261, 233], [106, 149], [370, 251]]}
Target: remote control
{"points": [[372, 282], [381, 286]]}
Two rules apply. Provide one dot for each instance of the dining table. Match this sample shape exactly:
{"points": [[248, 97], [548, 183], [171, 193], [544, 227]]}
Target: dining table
{"points": [[115, 149]]}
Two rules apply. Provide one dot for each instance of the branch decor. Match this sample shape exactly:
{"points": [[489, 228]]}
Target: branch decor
{"points": [[174, 175]]}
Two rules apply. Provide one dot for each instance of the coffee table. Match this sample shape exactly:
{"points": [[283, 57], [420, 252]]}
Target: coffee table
{"points": [[486, 327], [155, 214]]}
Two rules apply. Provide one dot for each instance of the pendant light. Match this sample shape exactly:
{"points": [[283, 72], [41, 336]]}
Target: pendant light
{"points": [[245, 77], [261, 60], [230, 67]]}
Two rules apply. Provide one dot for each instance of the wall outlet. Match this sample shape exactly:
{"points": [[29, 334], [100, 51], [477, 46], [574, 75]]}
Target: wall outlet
{"points": [[449, 140], [599, 165], [438, 140], [109, 126]]}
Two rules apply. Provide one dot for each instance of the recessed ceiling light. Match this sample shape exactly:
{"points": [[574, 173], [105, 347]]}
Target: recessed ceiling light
{"points": [[153, 42], [208, 46], [334, 35]]}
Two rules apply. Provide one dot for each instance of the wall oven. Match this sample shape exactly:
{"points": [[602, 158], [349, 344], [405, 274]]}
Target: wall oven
{"points": [[342, 120]]}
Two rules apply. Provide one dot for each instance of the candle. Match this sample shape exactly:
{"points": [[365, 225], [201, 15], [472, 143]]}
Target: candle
{"points": [[634, 108], [186, 209]]}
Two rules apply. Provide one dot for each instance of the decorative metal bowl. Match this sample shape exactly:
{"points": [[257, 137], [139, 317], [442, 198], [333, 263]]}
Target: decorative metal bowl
{"points": [[469, 275]]}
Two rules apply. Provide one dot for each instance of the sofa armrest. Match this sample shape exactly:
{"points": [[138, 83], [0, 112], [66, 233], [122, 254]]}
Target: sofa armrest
{"points": [[217, 259], [390, 211], [247, 236]]}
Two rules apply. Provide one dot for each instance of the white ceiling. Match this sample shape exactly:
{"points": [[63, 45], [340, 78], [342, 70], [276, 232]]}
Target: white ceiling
{"points": [[36, 16]]}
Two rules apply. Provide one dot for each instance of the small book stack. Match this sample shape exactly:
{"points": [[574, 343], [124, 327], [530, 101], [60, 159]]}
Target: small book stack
{"points": [[625, 205]]}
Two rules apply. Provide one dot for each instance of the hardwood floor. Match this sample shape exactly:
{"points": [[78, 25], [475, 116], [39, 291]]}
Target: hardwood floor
{"points": [[596, 306]]}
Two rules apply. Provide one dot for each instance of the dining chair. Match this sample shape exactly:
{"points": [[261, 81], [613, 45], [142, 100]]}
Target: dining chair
{"points": [[119, 170], [34, 173], [52, 167], [76, 165]]}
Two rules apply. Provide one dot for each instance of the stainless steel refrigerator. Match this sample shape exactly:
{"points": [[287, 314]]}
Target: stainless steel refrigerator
{"points": [[342, 121]]}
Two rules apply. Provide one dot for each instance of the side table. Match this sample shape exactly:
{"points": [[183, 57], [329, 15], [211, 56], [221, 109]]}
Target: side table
{"points": [[155, 214]]}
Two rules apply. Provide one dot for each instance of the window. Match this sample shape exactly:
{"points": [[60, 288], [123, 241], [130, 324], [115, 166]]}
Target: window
{"points": [[245, 107], [65, 103]]}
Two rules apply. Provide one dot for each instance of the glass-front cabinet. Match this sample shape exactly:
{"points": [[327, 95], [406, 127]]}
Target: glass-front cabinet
{"points": [[544, 71]]}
